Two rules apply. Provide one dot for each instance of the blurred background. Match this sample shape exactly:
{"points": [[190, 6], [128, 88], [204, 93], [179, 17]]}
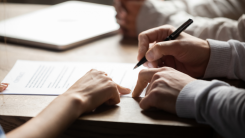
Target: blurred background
{"points": [[51, 2]]}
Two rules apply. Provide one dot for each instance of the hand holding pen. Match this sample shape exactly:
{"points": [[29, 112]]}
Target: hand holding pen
{"points": [[171, 36], [186, 53]]}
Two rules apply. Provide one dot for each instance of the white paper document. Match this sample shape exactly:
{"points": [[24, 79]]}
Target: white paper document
{"points": [[54, 78]]}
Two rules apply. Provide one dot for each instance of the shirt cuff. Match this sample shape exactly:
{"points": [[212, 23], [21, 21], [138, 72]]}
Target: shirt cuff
{"points": [[193, 95], [220, 57], [185, 105]]}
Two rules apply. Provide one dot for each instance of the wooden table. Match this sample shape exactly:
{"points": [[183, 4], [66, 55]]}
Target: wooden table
{"points": [[124, 120]]}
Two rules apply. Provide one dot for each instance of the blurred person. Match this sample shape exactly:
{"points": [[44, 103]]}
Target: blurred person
{"points": [[89, 92], [173, 86], [214, 19]]}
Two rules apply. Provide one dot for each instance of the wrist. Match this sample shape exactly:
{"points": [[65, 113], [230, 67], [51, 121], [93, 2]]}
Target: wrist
{"points": [[206, 56], [219, 61], [75, 102]]}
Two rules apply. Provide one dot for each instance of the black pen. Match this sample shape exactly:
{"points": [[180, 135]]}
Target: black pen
{"points": [[173, 36]]}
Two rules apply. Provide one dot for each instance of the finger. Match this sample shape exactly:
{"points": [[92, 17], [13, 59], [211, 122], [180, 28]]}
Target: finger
{"points": [[107, 78], [156, 34], [147, 102], [153, 84], [127, 24], [123, 5], [161, 49], [153, 64], [121, 15], [119, 6], [3, 86], [123, 90], [115, 99], [132, 6], [147, 89], [144, 78], [93, 70], [121, 22], [146, 64], [101, 72]]}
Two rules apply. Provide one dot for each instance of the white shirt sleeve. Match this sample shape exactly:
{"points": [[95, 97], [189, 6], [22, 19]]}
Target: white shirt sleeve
{"points": [[208, 16], [215, 102], [227, 59]]}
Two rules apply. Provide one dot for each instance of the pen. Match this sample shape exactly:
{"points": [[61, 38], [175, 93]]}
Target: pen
{"points": [[173, 36]]}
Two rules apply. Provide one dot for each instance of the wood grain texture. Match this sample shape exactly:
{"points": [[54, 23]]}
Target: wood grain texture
{"points": [[124, 120]]}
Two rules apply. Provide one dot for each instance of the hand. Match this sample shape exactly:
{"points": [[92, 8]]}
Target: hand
{"points": [[90, 91], [127, 12], [187, 54], [164, 86], [96, 88]]}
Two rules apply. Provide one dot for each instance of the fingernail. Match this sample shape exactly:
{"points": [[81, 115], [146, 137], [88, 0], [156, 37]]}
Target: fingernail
{"points": [[150, 65], [150, 55]]}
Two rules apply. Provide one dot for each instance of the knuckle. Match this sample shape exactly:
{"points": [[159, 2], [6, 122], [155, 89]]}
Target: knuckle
{"points": [[157, 75], [141, 36], [101, 72], [104, 79], [111, 85], [166, 69], [108, 78], [157, 83], [155, 93], [93, 70], [156, 48]]}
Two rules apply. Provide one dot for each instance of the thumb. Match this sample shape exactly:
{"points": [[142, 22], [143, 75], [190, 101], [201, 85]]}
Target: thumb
{"points": [[160, 49]]}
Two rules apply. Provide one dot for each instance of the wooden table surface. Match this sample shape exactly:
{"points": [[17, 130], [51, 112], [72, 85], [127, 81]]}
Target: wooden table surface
{"points": [[123, 120]]}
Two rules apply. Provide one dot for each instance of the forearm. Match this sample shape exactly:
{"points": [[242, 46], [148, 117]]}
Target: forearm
{"points": [[87, 93], [214, 103], [52, 121]]}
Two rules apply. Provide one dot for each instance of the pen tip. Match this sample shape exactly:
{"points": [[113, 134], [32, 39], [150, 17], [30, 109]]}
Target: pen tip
{"points": [[135, 67]]}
